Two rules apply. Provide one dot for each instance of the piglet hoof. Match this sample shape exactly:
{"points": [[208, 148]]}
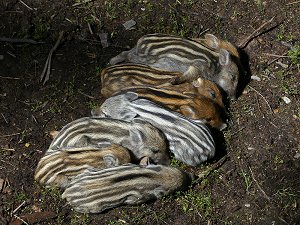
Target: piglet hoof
{"points": [[145, 161]]}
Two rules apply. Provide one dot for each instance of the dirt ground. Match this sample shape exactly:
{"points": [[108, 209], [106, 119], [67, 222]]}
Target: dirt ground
{"points": [[258, 182]]}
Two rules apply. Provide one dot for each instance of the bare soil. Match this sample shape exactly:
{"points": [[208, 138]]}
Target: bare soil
{"points": [[258, 183]]}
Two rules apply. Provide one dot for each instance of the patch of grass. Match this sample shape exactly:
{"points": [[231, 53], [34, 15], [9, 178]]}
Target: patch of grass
{"points": [[283, 35], [79, 218], [278, 160], [194, 202], [92, 104], [176, 163], [247, 179], [294, 54], [21, 196], [288, 197]]}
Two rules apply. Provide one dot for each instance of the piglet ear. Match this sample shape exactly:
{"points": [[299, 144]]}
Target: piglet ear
{"points": [[110, 160], [212, 41], [224, 57], [197, 83], [131, 96], [136, 137]]}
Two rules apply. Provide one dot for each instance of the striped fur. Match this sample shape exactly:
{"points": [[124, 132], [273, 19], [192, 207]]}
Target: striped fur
{"points": [[194, 107], [97, 190], [119, 77], [189, 141], [189, 57], [58, 168], [141, 138]]}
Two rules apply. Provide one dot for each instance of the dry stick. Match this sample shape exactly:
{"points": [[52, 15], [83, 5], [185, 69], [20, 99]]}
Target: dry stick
{"points": [[10, 78], [47, 69], [254, 34], [81, 3], [262, 97], [213, 167], [291, 3], [20, 40], [279, 57], [25, 5], [86, 95], [259, 187], [16, 209], [8, 135]]}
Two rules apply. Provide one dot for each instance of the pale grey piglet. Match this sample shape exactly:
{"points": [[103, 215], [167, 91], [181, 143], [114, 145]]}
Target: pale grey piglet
{"points": [[191, 142], [141, 138]]}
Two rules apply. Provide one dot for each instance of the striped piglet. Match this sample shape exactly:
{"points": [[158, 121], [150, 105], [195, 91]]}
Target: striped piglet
{"points": [[193, 58], [194, 107], [140, 138], [119, 77], [100, 142], [96, 190], [58, 168], [191, 142]]}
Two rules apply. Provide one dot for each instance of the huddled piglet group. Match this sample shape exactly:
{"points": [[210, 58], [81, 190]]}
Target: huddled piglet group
{"points": [[160, 102]]}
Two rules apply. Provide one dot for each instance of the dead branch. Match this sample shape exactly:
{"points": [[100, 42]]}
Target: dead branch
{"points": [[259, 187], [252, 88], [86, 95], [23, 3], [81, 3], [10, 78], [255, 34], [47, 68], [20, 40], [279, 57], [9, 135], [215, 166], [291, 3]]}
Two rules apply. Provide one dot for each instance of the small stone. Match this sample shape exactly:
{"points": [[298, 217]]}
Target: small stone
{"points": [[297, 156], [247, 205], [276, 110], [253, 77], [103, 40], [286, 100], [129, 24]]}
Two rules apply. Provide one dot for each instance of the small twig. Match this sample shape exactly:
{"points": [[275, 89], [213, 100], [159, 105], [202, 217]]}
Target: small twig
{"points": [[4, 118], [16, 209], [8, 149], [25, 5], [291, 3], [81, 3], [86, 95], [10, 78], [9, 135], [19, 218], [279, 57], [12, 55], [47, 69], [259, 187], [236, 132], [215, 166], [254, 34], [20, 40], [262, 97]]}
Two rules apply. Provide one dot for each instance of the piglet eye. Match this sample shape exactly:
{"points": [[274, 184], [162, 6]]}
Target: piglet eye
{"points": [[212, 94]]}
